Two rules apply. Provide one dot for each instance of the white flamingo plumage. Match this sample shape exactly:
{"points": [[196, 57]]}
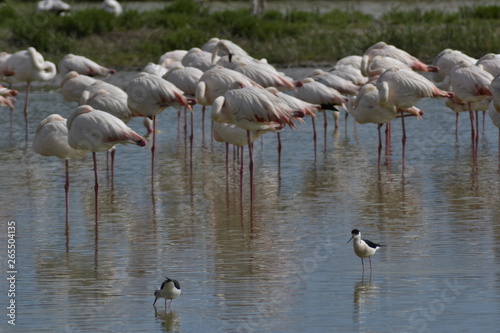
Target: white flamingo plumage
{"points": [[149, 95], [27, 66], [113, 7], [96, 131], [57, 7], [401, 89], [73, 85], [382, 48], [329, 79], [82, 65], [471, 84], [446, 60], [366, 108], [51, 139], [490, 63], [253, 108], [198, 58], [171, 57]]}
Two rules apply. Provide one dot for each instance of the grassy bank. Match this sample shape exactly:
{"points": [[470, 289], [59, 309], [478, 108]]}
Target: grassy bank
{"points": [[294, 38]]}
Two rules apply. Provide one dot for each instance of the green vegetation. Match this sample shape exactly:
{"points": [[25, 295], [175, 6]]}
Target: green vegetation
{"points": [[292, 38]]}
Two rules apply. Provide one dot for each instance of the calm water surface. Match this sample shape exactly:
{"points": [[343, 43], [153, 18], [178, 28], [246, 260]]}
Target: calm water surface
{"points": [[287, 267]]}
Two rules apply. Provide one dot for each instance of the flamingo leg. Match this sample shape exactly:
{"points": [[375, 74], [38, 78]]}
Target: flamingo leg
{"points": [[379, 126], [403, 139], [113, 151], [66, 190], [279, 151], [203, 121], [387, 139], [477, 132], [250, 165], [456, 125], [314, 135], [96, 187], [153, 149], [325, 126], [473, 134], [26, 100], [191, 139]]}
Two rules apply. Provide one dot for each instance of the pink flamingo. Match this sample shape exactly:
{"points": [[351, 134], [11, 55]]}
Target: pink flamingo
{"points": [[494, 107], [446, 60], [149, 95], [315, 92], [329, 79], [253, 108], [51, 139], [198, 58], [366, 108], [95, 131], [471, 84], [73, 85], [186, 79], [308, 109], [214, 83], [27, 66], [401, 89], [383, 49], [82, 65]]}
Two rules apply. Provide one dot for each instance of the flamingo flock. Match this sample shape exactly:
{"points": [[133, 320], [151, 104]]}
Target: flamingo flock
{"points": [[247, 97]]}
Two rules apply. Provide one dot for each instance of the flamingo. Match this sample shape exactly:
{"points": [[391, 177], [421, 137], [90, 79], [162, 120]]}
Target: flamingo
{"points": [[73, 85], [171, 57], [366, 108], [155, 69], [51, 139], [113, 7], [308, 109], [186, 79], [221, 47], [350, 73], [27, 66], [198, 58], [382, 48], [446, 60], [490, 63], [95, 131], [329, 79], [265, 75], [149, 95], [214, 83], [111, 99], [315, 92], [7, 97], [471, 84], [401, 89], [235, 135], [379, 64], [82, 65], [351, 60], [494, 107], [57, 7], [253, 108]]}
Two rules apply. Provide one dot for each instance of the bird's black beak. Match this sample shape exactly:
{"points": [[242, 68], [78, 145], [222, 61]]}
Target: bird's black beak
{"points": [[350, 239], [154, 301]]}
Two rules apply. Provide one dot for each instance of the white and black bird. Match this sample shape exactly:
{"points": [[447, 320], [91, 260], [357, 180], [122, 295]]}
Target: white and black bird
{"points": [[363, 247], [169, 289]]}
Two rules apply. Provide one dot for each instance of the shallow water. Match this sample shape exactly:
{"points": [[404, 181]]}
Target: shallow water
{"points": [[287, 267]]}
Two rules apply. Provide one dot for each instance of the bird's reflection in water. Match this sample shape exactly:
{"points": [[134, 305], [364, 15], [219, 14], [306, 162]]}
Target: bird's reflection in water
{"points": [[365, 293], [171, 320]]}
